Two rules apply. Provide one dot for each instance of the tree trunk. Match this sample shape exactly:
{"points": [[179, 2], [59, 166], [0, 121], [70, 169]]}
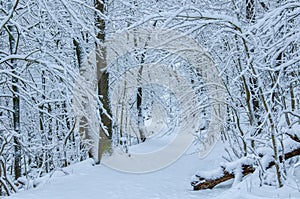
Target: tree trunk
{"points": [[103, 83], [139, 98], [15, 99]]}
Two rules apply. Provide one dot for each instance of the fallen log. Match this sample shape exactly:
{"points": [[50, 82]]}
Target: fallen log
{"points": [[209, 183]]}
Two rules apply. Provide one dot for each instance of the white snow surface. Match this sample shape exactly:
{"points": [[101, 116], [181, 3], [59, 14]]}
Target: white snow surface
{"points": [[85, 181]]}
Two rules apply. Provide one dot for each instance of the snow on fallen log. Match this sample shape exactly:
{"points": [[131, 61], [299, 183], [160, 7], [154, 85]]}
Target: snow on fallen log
{"points": [[233, 170]]}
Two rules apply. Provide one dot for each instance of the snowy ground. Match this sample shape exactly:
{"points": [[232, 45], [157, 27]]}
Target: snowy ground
{"points": [[94, 182]]}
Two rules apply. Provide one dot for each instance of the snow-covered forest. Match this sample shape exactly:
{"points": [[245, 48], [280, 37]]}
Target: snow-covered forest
{"points": [[84, 79]]}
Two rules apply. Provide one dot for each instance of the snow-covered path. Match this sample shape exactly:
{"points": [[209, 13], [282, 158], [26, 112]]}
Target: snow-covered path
{"points": [[87, 181], [93, 182]]}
